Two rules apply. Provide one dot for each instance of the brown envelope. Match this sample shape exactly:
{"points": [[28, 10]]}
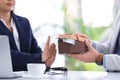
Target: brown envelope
{"points": [[77, 45]]}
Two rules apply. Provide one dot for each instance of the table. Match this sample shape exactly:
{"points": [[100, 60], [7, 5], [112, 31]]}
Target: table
{"points": [[85, 75], [80, 75], [93, 75]]}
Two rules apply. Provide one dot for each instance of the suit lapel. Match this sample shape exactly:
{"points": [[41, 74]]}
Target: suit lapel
{"points": [[5, 31], [20, 31]]}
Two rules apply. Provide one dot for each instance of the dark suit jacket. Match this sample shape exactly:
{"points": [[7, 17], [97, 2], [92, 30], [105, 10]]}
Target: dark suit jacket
{"points": [[29, 52]]}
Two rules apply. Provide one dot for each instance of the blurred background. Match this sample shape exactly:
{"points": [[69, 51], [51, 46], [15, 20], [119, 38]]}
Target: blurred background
{"points": [[52, 17]]}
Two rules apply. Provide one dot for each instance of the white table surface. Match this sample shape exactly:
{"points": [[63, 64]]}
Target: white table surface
{"points": [[93, 75], [78, 75]]}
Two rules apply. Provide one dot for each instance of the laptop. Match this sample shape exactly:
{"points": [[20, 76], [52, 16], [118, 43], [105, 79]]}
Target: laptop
{"points": [[6, 70]]}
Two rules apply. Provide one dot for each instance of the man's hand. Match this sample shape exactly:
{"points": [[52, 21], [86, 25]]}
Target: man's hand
{"points": [[90, 56], [49, 53], [81, 35]]}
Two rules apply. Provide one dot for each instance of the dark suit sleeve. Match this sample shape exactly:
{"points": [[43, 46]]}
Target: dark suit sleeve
{"points": [[29, 52], [20, 60]]}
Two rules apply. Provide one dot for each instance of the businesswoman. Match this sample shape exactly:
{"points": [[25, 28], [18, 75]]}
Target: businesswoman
{"points": [[23, 45]]}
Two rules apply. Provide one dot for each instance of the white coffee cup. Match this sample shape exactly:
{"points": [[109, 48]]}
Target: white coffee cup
{"points": [[36, 68]]}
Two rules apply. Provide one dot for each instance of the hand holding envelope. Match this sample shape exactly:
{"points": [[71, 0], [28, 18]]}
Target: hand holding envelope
{"points": [[68, 43], [89, 53]]}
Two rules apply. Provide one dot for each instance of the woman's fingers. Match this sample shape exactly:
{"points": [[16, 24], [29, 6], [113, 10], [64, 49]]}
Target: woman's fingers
{"points": [[47, 43], [52, 55], [45, 54]]}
